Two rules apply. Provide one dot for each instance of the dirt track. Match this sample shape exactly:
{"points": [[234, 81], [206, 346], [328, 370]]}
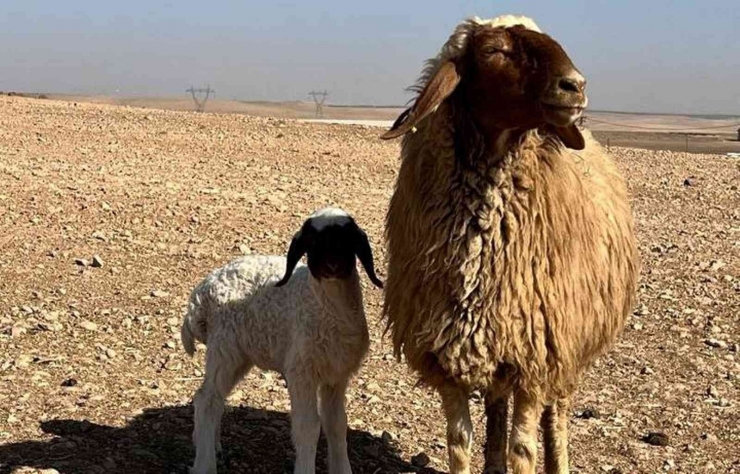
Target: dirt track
{"points": [[92, 374]]}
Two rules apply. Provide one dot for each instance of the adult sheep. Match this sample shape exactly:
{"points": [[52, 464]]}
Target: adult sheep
{"points": [[512, 261]]}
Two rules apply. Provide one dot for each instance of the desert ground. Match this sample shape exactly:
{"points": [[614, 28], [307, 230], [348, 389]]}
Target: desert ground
{"points": [[110, 214], [697, 134]]}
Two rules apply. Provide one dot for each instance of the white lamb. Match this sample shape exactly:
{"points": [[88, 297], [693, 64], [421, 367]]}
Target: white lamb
{"points": [[312, 330]]}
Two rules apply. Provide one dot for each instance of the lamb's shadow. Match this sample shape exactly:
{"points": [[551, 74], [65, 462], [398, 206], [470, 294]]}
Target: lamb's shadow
{"points": [[158, 441]]}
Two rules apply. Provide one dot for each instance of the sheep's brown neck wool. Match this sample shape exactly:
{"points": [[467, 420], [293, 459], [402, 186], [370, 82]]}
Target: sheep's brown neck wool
{"points": [[499, 269]]}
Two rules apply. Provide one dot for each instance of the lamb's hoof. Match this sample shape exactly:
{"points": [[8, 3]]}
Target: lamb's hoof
{"points": [[193, 470]]}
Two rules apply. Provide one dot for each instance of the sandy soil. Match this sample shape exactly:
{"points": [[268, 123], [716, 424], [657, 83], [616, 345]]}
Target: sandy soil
{"points": [[93, 378]]}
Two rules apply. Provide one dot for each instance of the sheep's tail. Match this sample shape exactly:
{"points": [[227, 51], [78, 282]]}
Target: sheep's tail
{"points": [[194, 320]]}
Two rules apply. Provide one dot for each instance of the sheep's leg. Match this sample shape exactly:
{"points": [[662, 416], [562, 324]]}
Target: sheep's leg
{"points": [[334, 422], [221, 376], [523, 441], [555, 427], [497, 413], [459, 428], [305, 423]]}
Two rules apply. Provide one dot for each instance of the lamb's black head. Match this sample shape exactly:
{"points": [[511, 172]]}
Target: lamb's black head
{"points": [[331, 240]]}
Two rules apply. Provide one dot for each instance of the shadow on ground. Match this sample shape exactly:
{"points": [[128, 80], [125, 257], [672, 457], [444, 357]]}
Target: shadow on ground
{"points": [[158, 441]]}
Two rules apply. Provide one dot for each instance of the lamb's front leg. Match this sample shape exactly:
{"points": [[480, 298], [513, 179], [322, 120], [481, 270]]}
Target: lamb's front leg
{"points": [[334, 421], [459, 428], [305, 422]]}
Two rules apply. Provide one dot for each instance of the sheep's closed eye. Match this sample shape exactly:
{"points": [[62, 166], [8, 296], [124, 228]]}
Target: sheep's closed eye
{"points": [[492, 51]]}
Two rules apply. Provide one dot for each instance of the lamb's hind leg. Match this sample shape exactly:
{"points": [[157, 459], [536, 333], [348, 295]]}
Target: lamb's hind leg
{"points": [[459, 427], [497, 413], [523, 440], [555, 427], [222, 373]]}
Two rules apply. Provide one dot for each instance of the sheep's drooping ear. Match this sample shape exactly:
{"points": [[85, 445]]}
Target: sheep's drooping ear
{"points": [[295, 252], [570, 136], [365, 254], [438, 89]]}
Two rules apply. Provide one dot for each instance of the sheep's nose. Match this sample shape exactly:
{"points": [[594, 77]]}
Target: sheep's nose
{"points": [[572, 84]]}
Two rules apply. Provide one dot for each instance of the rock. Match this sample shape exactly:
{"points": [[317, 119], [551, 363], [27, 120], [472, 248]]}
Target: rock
{"points": [[713, 392], [716, 343], [656, 439], [709, 437], [689, 181], [420, 460], [23, 361], [97, 262], [588, 413], [159, 294], [88, 325], [81, 262], [70, 382], [110, 353], [17, 330], [647, 371]]}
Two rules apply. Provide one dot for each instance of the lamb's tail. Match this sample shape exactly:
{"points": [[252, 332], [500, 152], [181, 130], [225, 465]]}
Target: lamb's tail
{"points": [[193, 325], [187, 337]]}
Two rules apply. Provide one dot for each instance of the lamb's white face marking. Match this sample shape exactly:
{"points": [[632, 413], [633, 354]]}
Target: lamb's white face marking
{"points": [[328, 216]]}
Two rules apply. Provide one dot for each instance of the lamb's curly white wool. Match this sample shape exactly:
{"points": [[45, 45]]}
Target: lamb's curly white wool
{"points": [[308, 325]]}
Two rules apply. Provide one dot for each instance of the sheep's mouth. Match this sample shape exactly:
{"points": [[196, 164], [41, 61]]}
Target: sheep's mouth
{"points": [[560, 114]]}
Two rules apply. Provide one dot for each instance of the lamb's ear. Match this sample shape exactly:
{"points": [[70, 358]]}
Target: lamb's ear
{"points": [[570, 136], [295, 252], [437, 89], [365, 254]]}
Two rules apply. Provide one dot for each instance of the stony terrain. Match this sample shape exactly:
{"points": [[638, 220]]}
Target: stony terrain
{"points": [[108, 216]]}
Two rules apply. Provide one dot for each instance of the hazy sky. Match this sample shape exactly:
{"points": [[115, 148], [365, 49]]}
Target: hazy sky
{"points": [[638, 55]]}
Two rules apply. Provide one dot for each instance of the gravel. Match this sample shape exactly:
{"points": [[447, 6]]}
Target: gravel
{"points": [[177, 194]]}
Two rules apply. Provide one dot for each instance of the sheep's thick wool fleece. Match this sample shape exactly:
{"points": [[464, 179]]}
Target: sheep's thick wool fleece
{"points": [[508, 272]]}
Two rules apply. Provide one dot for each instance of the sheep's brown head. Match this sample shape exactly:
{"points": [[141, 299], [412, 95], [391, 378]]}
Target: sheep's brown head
{"points": [[508, 75], [331, 239]]}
